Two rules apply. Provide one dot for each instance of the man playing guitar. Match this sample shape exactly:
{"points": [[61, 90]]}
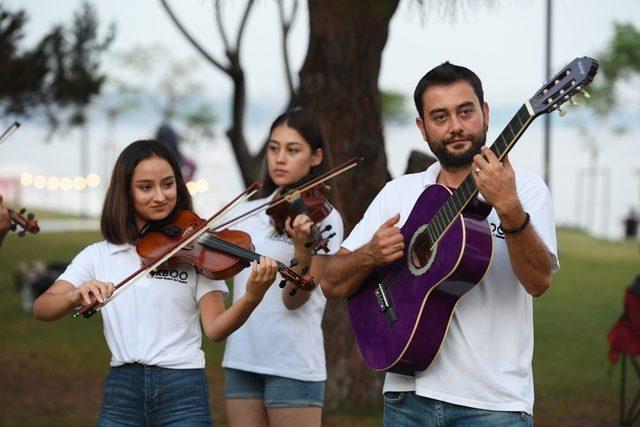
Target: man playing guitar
{"points": [[482, 374]]}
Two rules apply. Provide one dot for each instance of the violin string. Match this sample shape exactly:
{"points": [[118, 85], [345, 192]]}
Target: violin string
{"points": [[217, 243]]}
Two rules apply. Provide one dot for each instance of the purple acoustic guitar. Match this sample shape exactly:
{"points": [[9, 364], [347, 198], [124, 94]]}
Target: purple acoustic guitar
{"points": [[401, 312]]}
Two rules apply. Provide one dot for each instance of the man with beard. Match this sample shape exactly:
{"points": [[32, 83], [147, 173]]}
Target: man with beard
{"points": [[482, 374]]}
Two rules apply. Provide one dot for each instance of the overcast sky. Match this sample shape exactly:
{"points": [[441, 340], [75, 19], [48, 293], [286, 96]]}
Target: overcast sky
{"points": [[503, 43]]}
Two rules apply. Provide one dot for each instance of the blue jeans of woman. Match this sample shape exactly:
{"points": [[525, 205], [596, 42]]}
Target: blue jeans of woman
{"points": [[403, 409], [142, 395], [275, 391]]}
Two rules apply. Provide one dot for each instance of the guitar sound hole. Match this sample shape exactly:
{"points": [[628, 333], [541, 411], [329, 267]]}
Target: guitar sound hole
{"points": [[420, 259]]}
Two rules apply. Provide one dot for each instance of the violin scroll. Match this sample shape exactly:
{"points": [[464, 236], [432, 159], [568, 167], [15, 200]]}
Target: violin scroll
{"points": [[20, 223]]}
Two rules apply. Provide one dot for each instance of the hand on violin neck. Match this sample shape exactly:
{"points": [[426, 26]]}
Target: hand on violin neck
{"points": [[263, 273], [5, 221], [299, 229]]}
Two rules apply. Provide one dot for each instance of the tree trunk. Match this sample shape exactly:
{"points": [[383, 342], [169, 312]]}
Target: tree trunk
{"points": [[339, 84]]}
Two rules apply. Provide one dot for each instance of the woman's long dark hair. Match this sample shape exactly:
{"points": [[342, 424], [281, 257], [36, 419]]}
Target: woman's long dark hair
{"points": [[309, 128], [117, 222]]}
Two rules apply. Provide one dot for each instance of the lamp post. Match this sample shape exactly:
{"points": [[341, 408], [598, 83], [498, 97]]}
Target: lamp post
{"points": [[547, 117]]}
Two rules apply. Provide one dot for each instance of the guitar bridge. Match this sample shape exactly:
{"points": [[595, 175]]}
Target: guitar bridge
{"points": [[383, 303]]}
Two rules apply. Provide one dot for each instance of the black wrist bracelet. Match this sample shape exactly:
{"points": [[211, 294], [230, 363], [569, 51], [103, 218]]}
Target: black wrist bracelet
{"points": [[520, 228]]}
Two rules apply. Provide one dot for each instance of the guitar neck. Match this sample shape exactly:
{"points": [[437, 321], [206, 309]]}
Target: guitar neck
{"points": [[467, 191]]}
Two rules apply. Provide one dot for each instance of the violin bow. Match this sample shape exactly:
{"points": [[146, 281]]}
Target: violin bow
{"points": [[10, 130], [91, 309], [294, 192]]}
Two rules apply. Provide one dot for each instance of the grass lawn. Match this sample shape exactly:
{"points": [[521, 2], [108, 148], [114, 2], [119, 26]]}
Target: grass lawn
{"points": [[52, 373]]}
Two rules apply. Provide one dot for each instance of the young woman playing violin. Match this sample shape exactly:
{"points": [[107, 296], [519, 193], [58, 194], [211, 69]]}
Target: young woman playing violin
{"points": [[275, 364], [152, 330]]}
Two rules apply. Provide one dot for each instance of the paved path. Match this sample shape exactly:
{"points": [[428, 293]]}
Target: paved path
{"points": [[62, 225]]}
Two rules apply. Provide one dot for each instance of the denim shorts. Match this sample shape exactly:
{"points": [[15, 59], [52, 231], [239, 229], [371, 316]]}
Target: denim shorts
{"points": [[277, 392], [408, 409], [141, 395]]}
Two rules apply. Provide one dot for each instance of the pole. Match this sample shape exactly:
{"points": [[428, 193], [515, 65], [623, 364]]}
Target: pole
{"points": [[547, 117]]}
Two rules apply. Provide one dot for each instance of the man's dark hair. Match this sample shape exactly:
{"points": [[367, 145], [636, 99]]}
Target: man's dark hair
{"points": [[446, 74]]}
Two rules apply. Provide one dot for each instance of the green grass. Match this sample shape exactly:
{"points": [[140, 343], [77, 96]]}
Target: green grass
{"points": [[46, 214], [52, 373], [573, 379]]}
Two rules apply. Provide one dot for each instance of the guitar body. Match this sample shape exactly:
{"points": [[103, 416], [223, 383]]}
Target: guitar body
{"points": [[422, 294]]}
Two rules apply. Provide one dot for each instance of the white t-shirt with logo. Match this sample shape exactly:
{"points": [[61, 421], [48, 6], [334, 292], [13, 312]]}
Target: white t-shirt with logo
{"points": [[276, 340], [153, 321], [485, 360]]}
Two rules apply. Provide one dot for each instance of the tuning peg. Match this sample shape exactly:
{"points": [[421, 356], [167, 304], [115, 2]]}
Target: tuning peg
{"points": [[31, 216], [21, 233], [304, 270], [561, 112], [23, 210], [327, 228], [572, 101], [293, 262], [283, 283], [293, 291], [585, 93], [13, 227]]}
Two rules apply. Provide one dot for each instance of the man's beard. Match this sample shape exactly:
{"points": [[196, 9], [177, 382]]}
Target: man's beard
{"points": [[449, 160]]}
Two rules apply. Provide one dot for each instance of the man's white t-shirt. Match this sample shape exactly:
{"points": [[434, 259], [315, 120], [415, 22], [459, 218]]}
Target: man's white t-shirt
{"points": [[153, 321], [485, 360], [276, 340]]}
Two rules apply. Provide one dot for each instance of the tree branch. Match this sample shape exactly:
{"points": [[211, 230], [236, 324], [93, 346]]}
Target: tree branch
{"points": [[243, 23], [195, 44], [286, 26], [221, 30]]}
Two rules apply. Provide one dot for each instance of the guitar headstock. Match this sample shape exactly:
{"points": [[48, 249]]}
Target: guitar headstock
{"points": [[563, 86]]}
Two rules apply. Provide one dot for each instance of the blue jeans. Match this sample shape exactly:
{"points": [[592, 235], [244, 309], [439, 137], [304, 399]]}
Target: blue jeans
{"points": [[277, 392], [402, 409], [142, 395]]}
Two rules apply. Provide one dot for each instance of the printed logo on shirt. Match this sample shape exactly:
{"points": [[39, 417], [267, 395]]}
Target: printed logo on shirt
{"points": [[170, 274], [497, 231]]}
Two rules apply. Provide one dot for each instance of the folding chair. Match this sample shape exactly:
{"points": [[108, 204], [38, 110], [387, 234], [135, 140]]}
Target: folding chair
{"points": [[624, 338]]}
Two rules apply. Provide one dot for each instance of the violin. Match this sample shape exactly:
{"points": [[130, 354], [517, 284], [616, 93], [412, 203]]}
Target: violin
{"points": [[315, 193], [191, 233], [26, 224], [217, 254], [314, 203]]}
